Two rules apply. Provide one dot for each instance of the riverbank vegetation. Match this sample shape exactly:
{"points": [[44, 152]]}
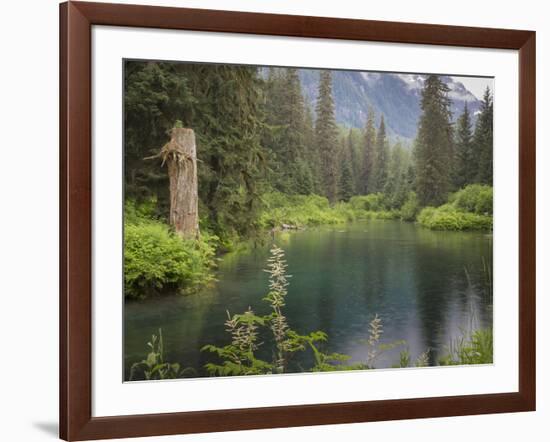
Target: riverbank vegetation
{"points": [[156, 260]]}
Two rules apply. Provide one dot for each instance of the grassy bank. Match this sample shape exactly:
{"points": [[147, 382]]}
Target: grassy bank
{"points": [[468, 209], [299, 211]]}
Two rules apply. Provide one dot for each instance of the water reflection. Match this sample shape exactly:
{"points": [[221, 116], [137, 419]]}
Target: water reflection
{"points": [[416, 280]]}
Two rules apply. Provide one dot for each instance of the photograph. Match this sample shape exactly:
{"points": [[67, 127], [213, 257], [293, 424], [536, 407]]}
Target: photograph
{"points": [[289, 220]]}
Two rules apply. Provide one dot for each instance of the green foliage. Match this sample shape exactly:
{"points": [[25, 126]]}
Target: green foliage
{"points": [[409, 209], [475, 198], [223, 105], [289, 133], [381, 159], [156, 259], [433, 149], [470, 348], [156, 95], [368, 176], [446, 217], [299, 211], [348, 162], [466, 163], [483, 140], [468, 209], [404, 359], [326, 137], [238, 358], [373, 202], [154, 367], [397, 185]]}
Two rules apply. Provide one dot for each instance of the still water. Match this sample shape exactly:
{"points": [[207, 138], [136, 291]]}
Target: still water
{"points": [[415, 279]]}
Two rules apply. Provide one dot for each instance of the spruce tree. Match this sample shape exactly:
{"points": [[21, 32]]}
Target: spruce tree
{"points": [[433, 144], [355, 164], [346, 170], [483, 140], [311, 154], [367, 176], [397, 186], [466, 165], [380, 166], [326, 137], [227, 118], [297, 174], [156, 95]]}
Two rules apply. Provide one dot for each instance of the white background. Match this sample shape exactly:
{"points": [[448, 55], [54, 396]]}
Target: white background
{"points": [[28, 182], [111, 397]]}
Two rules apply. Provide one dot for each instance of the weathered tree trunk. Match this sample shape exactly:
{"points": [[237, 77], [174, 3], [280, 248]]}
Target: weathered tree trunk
{"points": [[180, 155]]}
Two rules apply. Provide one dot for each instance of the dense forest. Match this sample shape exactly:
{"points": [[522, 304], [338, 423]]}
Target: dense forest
{"points": [[267, 160]]}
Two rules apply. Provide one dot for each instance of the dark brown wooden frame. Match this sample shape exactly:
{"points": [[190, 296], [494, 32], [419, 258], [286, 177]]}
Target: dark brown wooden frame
{"points": [[76, 20]]}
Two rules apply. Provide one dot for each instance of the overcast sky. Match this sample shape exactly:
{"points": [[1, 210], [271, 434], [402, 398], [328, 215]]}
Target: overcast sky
{"points": [[476, 85]]}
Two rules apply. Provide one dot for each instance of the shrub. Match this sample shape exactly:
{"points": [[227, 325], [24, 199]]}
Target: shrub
{"points": [[373, 202], [156, 260], [474, 198], [448, 218], [135, 213], [301, 211], [314, 210], [410, 207]]}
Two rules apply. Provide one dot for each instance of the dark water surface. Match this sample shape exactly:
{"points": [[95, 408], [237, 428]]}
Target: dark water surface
{"points": [[413, 278]]}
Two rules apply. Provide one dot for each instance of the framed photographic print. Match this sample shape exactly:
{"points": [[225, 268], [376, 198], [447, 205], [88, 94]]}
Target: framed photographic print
{"points": [[272, 220]]}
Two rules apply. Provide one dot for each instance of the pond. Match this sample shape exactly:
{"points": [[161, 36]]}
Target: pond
{"points": [[426, 286]]}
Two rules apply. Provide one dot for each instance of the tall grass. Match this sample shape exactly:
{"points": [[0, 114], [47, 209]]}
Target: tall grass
{"points": [[470, 348], [154, 367]]}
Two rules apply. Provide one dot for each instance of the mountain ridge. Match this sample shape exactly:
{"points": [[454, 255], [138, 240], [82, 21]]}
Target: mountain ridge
{"points": [[396, 96]]}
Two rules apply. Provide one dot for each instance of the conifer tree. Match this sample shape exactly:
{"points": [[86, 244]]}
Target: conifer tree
{"points": [[483, 140], [465, 162], [367, 176], [346, 171], [326, 137], [433, 144], [311, 154], [380, 166], [156, 95], [298, 176], [355, 159], [397, 186]]}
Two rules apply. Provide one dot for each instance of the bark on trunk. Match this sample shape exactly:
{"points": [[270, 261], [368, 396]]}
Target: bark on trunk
{"points": [[180, 155]]}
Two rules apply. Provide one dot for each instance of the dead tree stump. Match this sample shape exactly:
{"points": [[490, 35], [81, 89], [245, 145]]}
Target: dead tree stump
{"points": [[180, 155]]}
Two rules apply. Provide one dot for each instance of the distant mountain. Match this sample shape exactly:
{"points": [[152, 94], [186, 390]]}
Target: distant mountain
{"points": [[396, 96]]}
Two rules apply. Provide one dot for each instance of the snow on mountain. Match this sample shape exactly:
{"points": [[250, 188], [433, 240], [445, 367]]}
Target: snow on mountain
{"points": [[396, 96]]}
